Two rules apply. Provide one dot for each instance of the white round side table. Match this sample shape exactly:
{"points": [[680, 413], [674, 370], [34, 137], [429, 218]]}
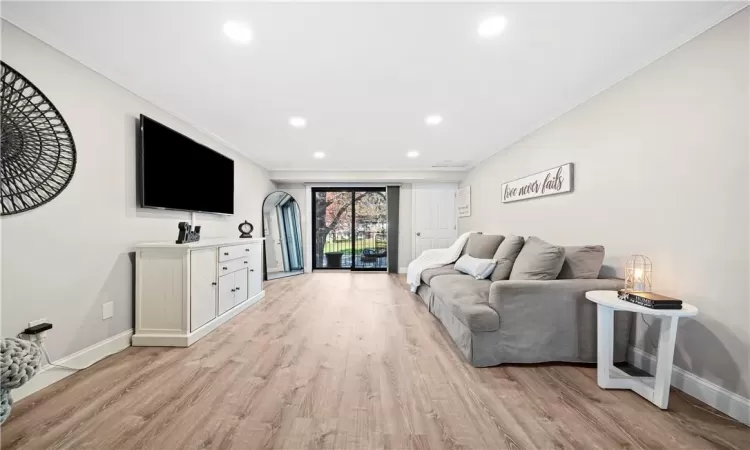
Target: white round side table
{"points": [[654, 389]]}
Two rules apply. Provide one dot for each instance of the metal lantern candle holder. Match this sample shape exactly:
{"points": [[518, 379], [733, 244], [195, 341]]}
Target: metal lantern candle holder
{"points": [[638, 273]]}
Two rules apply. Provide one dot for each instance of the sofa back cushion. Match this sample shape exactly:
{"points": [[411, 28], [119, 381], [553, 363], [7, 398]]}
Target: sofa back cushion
{"points": [[583, 262], [477, 268], [505, 256], [483, 246], [538, 260]]}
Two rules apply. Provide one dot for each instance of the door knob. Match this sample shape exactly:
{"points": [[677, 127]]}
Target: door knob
{"points": [[419, 234]]}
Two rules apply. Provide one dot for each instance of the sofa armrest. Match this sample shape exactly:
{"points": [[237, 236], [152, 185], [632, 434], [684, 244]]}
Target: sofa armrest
{"points": [[550, 294]]}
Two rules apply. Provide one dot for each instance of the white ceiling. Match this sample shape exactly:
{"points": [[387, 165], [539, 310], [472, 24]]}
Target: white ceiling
{"points": [[366, 75]]}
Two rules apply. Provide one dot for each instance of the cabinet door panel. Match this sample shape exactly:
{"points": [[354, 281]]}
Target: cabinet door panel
{"points": [[202, 287], [255, 276], [240, 286], [226, 293]]}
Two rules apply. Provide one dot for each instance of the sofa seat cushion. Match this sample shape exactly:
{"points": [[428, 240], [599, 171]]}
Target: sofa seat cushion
{"points": [[468, 299], [429, 274]]}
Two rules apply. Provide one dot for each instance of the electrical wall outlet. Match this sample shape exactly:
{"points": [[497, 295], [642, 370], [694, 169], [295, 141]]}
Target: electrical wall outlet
{"points": [[34, 323], [108, 310]]}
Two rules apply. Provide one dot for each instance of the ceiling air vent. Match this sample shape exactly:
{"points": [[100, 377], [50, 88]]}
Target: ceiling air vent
{"points": [[448, 164]]}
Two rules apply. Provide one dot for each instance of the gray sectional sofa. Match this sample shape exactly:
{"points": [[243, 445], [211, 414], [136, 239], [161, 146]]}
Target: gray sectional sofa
{"points": [[520, 314]]}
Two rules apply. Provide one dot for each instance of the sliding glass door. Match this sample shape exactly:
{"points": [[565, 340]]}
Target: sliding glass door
{"points": [[332, 229], [370, 230], [350, 228]]}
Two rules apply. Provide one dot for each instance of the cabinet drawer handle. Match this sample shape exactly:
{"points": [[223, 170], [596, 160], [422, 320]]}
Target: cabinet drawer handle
{"points": [[245, 262], [247, 249], [226, 253], [224, 268], [252, 270], [237, 289], [213, 284], [232, 290]]}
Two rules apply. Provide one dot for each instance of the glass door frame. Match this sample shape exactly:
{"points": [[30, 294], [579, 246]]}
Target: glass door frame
{"points": [[353, 235]]}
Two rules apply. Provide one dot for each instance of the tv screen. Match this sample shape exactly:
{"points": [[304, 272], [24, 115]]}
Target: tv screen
{"points": [[178, 173]]}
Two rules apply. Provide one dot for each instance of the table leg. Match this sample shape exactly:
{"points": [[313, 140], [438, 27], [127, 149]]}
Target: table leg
{"points": [[605, 323], [664, 360]]}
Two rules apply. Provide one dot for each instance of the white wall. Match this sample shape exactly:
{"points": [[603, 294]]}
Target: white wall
{"points": [[62, 261], [661, 168], [405, 226]]}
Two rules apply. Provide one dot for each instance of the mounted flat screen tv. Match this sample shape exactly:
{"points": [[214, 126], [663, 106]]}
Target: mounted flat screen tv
{"points": [[178, 173]]}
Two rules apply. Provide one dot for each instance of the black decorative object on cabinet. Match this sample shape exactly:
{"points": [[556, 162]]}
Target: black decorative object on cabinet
{"points": [[187, 234], [37, 154], [246, 228]]}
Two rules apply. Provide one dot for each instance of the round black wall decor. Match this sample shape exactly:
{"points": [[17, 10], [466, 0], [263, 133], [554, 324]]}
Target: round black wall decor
{"points": [[37, 152]]}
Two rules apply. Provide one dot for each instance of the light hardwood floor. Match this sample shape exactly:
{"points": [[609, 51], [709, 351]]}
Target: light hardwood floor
{"points": [[345, 360]]}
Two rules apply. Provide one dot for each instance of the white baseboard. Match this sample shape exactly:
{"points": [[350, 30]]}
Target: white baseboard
{"points": [[728, 402], [402, 270], [172, 339], [82, 358]]}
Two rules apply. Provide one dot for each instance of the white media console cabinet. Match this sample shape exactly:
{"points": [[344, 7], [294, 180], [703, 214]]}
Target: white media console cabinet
{"points": [[185, 291]]}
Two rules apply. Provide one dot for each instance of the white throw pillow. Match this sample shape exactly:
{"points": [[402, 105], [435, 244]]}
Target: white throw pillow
{"points": [[477, 268]]}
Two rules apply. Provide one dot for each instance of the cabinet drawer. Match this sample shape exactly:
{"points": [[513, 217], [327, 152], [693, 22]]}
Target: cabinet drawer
{"points": [[233, 265], [235, 251]]}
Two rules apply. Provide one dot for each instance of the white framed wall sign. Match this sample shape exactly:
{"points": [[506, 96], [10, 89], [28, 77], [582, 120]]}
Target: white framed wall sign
{"points": [[463, 202], [556, 180]]}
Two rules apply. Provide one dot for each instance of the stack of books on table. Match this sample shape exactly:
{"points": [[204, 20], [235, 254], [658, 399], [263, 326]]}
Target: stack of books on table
{"points": [[649, 299]]}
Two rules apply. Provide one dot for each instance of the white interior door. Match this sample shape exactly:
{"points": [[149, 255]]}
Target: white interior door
{"points": [[434, 222]]}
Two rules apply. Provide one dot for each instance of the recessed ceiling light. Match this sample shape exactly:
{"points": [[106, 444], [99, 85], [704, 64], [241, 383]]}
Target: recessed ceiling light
{"points": [[433, 120], [412, 154], [319, 155], [492, 26], [298, 122], [238, 31]]}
